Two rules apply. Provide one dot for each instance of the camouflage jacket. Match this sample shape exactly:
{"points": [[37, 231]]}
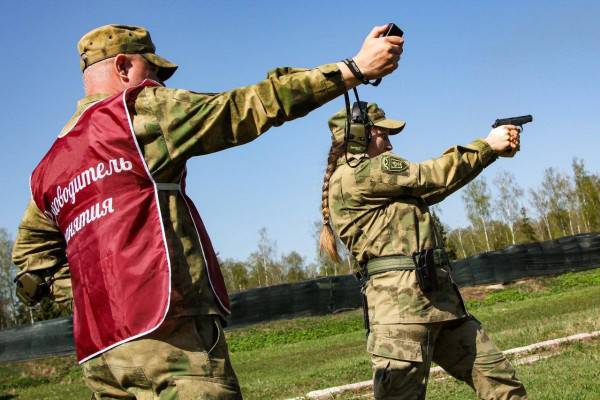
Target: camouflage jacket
{"points": [[171, 126], [381, 208]]}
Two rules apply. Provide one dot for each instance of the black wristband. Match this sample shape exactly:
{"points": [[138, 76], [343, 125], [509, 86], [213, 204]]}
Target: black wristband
{"points": [[358, 74], [355, 70]]}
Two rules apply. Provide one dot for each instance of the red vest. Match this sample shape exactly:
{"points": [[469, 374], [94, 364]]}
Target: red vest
{"points": [[96, 187]]}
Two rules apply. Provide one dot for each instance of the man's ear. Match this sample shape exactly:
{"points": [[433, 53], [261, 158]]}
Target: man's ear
{"points": [[121, 67]]}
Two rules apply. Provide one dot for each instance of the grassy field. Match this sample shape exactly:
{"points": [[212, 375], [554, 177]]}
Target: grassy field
{"points": [[289, 358], [573, 373]]}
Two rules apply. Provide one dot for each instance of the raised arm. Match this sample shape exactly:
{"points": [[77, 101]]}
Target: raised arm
{"points": [[194, 123], [433, 180]]}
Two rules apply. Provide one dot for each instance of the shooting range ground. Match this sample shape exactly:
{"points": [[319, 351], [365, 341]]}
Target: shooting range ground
{"points": [[291, 357]]}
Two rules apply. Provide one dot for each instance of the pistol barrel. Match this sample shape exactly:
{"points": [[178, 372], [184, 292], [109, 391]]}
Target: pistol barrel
{"points": [[518, 121]]}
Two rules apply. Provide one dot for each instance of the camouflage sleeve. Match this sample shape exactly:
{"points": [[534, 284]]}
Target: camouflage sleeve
{"points": [[433, 180], [195, 123], [40, 248]]}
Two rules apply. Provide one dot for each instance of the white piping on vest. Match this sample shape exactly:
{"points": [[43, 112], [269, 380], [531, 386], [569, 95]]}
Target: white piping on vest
{"points": [[88, 107], [227, 310], [162, 228], [30, 188], [177, 187]]}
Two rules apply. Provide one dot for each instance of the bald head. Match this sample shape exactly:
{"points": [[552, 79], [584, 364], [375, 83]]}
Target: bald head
{"points": [[115, 74]]}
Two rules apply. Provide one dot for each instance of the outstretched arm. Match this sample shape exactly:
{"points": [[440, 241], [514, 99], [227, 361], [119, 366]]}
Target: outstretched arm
{"points": [[194, 123], [390, 177]]}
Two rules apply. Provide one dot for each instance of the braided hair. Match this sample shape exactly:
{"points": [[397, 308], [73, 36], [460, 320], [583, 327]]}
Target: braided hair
{"points": [[327, 239]]}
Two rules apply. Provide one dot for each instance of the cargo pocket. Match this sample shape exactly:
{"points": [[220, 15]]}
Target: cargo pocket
{"points": [[193, 387], [395, 349], [397, 366]]}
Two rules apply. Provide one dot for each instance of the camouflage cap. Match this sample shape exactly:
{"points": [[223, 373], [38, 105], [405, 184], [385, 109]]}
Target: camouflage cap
{"points": [[109, 40], [338, 121]]}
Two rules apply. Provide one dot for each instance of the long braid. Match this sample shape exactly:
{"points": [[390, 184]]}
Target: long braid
{"points": [[327, 240]]}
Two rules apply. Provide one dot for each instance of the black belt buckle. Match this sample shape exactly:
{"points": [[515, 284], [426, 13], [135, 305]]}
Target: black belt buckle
{"points": [[425, 270]]}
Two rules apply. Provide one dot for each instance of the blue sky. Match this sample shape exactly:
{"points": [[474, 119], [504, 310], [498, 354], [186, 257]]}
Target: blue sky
{"points": [[465, 63]]}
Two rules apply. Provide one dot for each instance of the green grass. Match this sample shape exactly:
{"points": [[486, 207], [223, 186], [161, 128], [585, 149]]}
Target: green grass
{"points": [[283, 359], [292, 331], [573, 374]]}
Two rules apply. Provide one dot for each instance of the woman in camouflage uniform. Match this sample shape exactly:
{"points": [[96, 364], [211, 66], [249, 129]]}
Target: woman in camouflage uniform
{"points": [[378, 205]]}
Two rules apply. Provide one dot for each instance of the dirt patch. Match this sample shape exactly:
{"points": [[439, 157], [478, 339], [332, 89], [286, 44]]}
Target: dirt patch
{"points": [[480, 292]]}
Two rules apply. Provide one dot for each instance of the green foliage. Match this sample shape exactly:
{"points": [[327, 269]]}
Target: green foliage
{"points": [[30, 374], [312, 328], [524, 231], [566, 375], [564, 204], [292, 331], [571, 280], [549, 286], [477, 200], [587, 192], [502, 296], [263, 268], [9, 306]]}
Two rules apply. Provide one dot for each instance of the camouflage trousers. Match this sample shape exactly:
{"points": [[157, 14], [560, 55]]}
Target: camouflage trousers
{"points": [[186, 358], [401, 356]]}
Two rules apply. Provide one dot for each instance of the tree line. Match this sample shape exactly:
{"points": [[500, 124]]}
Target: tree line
{"points": [[561, 205], [265, 268], [499, 215]]}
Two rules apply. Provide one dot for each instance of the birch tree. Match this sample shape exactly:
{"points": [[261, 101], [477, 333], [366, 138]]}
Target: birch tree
{"points": [[541, 205], [293, 267], [476, 198], [262, 265], [508, 203], [587, 191], [556, 187]]}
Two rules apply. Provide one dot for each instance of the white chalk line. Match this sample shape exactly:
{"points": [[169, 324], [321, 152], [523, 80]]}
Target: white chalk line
{"points": [[325, 394]]}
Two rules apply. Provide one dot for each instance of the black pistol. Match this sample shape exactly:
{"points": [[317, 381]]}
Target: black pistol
{"points": [[517, 121]]}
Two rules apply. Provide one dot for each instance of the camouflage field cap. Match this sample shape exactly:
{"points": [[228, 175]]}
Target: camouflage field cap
{"points": [[338, 121], [110, 40]]}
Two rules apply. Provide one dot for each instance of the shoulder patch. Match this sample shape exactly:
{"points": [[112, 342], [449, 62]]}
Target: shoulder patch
{"points": [[393, 164]]}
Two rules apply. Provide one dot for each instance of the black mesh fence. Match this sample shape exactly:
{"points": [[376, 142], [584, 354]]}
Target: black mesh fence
{"points": [[314, 297], [572, 253], [336, 293]]}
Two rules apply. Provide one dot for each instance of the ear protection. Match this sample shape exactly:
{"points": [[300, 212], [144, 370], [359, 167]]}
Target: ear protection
{"points": [[357, 131]]}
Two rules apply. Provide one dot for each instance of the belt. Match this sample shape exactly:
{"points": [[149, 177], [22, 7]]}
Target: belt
{"points": [[380, 265]]}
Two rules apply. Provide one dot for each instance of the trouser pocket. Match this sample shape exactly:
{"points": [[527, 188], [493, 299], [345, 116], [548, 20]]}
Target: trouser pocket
{"points": [[399, 368], [192, 387]]}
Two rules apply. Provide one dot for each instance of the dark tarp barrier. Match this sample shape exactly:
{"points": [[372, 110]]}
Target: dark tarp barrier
{"points": [[45, 338], [336, 293]]}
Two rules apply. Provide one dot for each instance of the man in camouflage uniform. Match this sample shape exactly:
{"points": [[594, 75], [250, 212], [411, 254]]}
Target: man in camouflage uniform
{"points": [[187, 356], [379, 205]]}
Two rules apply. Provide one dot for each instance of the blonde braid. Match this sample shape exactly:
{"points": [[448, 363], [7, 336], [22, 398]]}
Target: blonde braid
{"points": [[327, 240]]}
